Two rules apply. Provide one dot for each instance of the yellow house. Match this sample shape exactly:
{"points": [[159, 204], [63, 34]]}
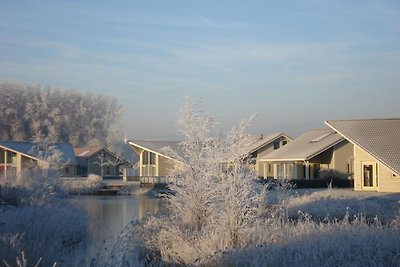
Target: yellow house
{"points": [[376, 152], [16, 156], [154, 159], [305, 156]]}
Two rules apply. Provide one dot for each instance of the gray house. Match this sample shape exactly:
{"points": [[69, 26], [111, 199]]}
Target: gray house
{"points": [[99, 161]]}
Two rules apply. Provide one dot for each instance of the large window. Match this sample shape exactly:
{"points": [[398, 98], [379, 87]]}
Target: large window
{"points": [[149, 167], [149, 158]]}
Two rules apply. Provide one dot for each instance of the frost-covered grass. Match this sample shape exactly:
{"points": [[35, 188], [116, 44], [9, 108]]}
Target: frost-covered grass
{"points": [[80, 186], [56, 233], [334, 203], [304, 242], [300, 240], [39, 225]]}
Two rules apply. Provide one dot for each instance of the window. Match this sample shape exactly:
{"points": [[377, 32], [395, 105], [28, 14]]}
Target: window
{"points": [[284, 142], [108, 170], [10, 156], [269, 168], [276, 144], [148, 158]]}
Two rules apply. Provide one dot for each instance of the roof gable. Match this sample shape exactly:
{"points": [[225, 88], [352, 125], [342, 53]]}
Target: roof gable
{"points": [[306, 146], [258, 142], [378, 137], [159, 147], [92, 151]]}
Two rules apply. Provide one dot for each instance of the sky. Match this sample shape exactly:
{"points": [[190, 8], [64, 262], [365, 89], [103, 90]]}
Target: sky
{"points": [[293, 63]]}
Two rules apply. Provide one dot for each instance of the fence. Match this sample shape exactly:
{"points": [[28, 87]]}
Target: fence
{"points": [[155, 181]]}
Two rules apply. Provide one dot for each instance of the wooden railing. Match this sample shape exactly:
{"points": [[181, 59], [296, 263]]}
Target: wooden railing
{"points": [[155, 181]]}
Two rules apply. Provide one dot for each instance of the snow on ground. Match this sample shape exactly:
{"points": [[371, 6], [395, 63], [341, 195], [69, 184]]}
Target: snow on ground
{"points": [[334, 203]]}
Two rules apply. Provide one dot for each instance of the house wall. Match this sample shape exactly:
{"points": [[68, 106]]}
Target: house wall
{"points": [[262, 169], [343, 158], [387, 182], [165, 166]]}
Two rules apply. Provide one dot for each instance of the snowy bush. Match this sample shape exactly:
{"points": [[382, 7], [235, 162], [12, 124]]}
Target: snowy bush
{"points": [[328, 174], [216, 204]]}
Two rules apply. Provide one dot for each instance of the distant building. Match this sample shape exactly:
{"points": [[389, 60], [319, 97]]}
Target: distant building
{"points": [[16, 156], [376, 152], [99, 161]]}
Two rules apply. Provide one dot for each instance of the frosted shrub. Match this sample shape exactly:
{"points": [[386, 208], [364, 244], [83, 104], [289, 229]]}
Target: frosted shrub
{"points": [[216, 203]]}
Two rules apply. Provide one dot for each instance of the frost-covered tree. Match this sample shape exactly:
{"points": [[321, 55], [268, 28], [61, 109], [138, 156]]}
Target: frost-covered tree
{"points": [[60, 114], [216, 203]]}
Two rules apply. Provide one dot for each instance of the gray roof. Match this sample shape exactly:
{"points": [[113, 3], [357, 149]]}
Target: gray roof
{"points": [[159, 147], [28, 148], [378, 137], [306, 146]]}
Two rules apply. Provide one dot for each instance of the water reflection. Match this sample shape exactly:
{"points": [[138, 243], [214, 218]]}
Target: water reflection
{"points": [[109, 215]]}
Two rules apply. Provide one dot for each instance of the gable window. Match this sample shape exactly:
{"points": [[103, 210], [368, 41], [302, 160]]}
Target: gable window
{"points": [[284, 142]]}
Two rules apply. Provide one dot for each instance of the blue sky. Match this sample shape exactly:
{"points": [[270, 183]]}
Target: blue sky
{"points": [[293, 63]]}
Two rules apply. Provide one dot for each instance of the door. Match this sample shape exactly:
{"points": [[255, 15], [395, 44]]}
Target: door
{"points": [[369, 177]]}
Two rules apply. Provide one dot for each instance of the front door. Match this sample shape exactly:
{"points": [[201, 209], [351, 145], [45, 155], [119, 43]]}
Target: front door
{"points": [[369, 177]]}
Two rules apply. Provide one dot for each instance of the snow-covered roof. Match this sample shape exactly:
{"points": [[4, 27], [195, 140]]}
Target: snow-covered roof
{"points": [[378, 137], [305, 146], [28, 148], [86, 151], [159, 147]]}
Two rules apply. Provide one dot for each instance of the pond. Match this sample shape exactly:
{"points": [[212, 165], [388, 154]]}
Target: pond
{"points": [[109, 215]]}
